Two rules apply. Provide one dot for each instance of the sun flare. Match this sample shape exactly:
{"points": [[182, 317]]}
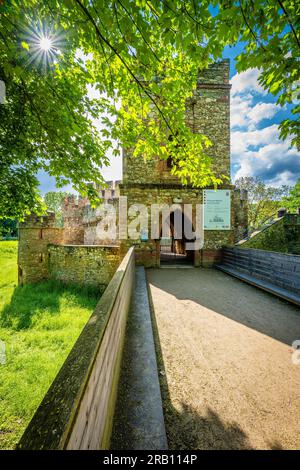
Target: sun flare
{"points": [[45, 44]]}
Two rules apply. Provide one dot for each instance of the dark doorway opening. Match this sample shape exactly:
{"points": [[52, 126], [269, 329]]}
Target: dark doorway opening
{"points": [[172, 249]]}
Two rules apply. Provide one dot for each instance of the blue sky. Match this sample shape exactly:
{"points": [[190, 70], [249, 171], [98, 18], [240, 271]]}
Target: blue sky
{"points": [[256, 149]]}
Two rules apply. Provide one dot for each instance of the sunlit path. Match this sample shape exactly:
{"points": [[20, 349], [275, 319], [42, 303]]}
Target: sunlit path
{"points": [[229, 381]]}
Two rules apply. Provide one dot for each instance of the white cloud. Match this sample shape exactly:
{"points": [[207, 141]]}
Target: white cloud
{"points": [[275, 161], [246, 81], [244, 92], [258, 152], [263, 111], [243, 113], [242, 140], [240, 108], [285, 178]]}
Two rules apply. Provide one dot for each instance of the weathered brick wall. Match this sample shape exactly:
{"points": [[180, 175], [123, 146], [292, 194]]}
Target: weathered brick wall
{"points": [[208, 112], [86, 265], [35, 234]]}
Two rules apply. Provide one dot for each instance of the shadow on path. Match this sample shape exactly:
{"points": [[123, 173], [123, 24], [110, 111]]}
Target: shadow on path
{"points": [[188, 430], [234, 299], [186, 427]]}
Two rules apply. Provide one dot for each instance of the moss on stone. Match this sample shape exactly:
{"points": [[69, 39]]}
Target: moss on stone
{"points": [[283, 236]]}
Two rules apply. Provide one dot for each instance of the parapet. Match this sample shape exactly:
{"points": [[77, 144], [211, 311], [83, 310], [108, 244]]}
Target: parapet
{"points": [[39, 221]]}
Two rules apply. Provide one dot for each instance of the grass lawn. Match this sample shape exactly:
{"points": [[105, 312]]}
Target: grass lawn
{"points": [[39, 325]]}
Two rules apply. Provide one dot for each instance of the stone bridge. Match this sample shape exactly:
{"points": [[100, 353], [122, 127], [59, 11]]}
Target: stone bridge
{"points": [[179, 358]]}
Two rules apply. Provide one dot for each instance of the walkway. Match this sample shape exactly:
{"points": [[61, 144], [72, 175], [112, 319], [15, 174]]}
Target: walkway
{"points": [[227, 378]]}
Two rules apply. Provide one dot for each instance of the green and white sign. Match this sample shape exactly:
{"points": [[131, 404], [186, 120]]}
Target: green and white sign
{"points": [[216, 209]]}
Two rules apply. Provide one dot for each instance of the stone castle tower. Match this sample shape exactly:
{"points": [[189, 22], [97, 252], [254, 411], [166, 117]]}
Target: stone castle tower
{"points": [[148, 182], [208, 112], [76, 251]]}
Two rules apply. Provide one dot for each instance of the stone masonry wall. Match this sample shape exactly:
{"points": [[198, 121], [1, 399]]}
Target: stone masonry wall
{"points": [[148, 182], [86, 265], [46, 250], [43, 255], [148, 252], [72, 212], [35, 234], [208, 112], [91, 219], [282, 236]]}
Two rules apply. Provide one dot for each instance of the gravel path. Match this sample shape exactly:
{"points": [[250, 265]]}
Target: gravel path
{"points": [[226, 373]]}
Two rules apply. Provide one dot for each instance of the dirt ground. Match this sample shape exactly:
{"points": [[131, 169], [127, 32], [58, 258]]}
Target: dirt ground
{"points": [[224, 347]]}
